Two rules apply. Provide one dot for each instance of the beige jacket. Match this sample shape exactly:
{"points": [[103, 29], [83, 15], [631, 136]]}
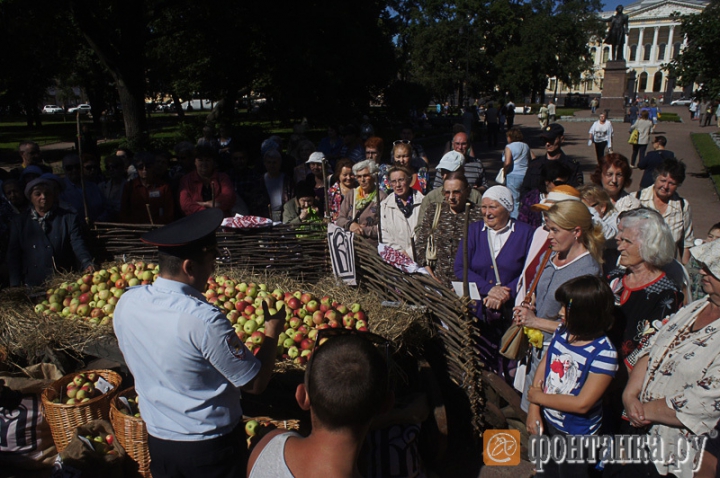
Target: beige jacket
{"points": [[398, 231]]}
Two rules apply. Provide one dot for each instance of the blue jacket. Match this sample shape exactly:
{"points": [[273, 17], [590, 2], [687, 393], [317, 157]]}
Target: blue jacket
{"points": [[33, 255]]}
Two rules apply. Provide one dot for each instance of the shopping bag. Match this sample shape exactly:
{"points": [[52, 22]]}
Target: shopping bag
{"points": [[634, 136]]}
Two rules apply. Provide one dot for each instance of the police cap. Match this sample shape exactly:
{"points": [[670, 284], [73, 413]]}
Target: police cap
{"points": [[186, 237]]}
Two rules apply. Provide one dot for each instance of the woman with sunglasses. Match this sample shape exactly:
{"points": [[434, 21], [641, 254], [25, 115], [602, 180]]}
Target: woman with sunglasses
{"points": [[402, 156], [359, 209], [614, 175]]}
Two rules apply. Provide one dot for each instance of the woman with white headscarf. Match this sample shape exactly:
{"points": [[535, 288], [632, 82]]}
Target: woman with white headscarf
{"points": [[497, 248]]}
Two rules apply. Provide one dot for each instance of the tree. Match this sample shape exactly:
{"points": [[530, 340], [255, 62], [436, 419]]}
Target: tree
{"points": [[698, 62]]}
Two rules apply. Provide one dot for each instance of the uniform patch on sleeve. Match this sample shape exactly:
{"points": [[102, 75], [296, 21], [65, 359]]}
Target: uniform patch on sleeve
{"points": [[235, 345]]}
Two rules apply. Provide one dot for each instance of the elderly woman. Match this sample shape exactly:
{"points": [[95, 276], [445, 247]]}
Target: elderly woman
{"points": [[644, 127], [402, 156], [303, 207], [576, 246], [400, 212], [675, 210], [497, 248], [359, 209], [442, 227], [615, 175], [517, 155], [343, 181], [673, 388]]}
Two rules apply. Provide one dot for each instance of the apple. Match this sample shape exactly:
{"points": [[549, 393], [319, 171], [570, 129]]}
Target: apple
{"points": [[349, 320], [240, 295], [260, 320], [301, 313], [230, 284], [84, 298], [361, 315], [326, 300], [248, 310], [257, 338], [250, 327], [295, 322], [241, 287], [293, 352], [306, 344], [297, 294], [233, 316], [325, 307], [108, 308], [306, 297], [312, 334], [95, 313], [332, 315], [278, 294], [306, 353], [118, 293], [335, 325], [300, 360], [263, 287], [251, 292], [39, 308], [102, 286], [251, 427], [92, 377], [294, 303], [71, 390], [360, 323], [71, 401], [103, 294], [83, 310], [342, 309], [312, 306], [318, 317], [133, 282], [308, 320], [81, 394], [109, 439], [288, 342], [65, 312], [66, 302]]}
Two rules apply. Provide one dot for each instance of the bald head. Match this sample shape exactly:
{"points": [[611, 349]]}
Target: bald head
{"points": [[460, 143]]}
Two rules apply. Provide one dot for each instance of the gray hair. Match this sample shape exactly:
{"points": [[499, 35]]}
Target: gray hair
{"points": [[368, 164], [657, 247]]}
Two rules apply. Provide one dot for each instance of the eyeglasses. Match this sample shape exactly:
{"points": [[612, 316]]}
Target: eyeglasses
{"points": [[398, 181], [401, 141]]}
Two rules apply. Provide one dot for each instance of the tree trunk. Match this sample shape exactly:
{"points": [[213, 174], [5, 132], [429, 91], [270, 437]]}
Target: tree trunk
{"points": [[133, 107], [178, 106]]}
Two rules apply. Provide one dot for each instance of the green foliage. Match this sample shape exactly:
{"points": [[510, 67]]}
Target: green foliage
{"points": [[698, 62], [402, 96], [710, 154]]}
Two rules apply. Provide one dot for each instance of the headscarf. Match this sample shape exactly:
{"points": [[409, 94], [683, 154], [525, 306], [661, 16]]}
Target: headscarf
{"points": [[502, 195]]}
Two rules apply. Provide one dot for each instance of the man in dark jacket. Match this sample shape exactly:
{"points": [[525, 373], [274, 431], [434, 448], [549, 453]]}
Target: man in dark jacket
{"points": [[45, 238], [553, 137]]}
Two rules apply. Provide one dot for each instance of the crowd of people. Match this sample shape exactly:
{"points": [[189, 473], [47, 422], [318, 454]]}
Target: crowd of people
{"points": [[613, 294]]}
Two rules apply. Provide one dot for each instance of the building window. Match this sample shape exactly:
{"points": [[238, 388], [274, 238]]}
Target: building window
{"points": [[606, 54], [661, 52], [646, 55], [593, 54], [589, 84], [657, 82], [642, 84], [676, 50], [552, 84], [633, 53]]}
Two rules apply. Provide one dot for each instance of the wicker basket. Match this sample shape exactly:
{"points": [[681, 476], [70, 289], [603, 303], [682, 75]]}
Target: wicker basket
{"points": [[64, 419], [131, 432]]}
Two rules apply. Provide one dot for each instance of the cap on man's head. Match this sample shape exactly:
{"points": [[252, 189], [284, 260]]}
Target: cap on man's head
{"points": [[708, 254], [32, 169], [451, 161], [316, 157], [560, 193], [35, 183], [186, 237], [552, 131]]}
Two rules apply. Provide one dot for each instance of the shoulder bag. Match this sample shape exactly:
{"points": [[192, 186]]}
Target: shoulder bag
{"points": [[514, 343], [431, 248], [634, 136]]}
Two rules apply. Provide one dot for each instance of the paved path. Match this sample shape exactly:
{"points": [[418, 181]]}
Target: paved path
{"points": [[698, 188]]}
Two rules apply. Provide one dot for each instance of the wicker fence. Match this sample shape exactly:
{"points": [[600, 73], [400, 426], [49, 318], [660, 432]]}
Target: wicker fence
{"points": [[303, 253]]}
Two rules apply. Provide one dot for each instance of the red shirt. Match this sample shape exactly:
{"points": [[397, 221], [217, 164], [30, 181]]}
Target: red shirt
{"points": [[135, 197], [191, 193]]}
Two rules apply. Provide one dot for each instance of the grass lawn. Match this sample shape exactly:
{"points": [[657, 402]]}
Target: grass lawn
{"points": [[669, 118], [710, 154]]}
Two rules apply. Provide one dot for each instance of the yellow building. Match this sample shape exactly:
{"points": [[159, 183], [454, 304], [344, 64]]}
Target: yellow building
{"points": [[654, 40]]}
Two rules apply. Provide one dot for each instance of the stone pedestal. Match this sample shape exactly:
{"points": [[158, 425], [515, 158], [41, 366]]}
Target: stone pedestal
{"points": [[612, 100]]}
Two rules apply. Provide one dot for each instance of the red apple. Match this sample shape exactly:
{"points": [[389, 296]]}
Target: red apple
{"points": [[257, 338], [306, 344], [306, 297], [349, 320], [332, 315], [294, 303], [360, 323], [295, 322], [326, 300], [318, 318], [360, 315]]}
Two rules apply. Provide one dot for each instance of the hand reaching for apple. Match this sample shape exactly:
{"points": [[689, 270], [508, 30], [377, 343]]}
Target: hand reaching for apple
{"points": [[275, 323]]}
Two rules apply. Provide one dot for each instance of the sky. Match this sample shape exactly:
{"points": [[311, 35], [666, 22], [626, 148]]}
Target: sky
{"points": [[610, 5]]}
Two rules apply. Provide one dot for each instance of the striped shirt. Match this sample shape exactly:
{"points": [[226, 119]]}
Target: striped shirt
{"points": [[566, 371]]}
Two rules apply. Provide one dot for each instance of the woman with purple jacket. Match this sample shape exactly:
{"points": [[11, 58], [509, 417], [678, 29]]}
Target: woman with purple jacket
{"points": [[497, 248]]}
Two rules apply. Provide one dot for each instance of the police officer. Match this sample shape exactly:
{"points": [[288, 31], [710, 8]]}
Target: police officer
{"points": [[188, 363]]}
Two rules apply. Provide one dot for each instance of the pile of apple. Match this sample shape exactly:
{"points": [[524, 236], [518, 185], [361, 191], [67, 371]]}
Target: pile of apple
{"points": [[92, 298], [134, 403], [80, 389], [305, 315], [102, 444]]}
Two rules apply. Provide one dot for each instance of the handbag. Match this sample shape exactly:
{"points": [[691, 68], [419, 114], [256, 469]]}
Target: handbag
{"points": [[431, 248], [500, 178], [514, 343], [634, 136]]}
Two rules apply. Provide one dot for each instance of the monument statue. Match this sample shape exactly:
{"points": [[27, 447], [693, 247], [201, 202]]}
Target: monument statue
{"points": [[616, 33]]}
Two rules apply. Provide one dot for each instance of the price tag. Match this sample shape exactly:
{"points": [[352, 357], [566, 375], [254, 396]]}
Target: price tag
{"points": [[103, 385], [126, 405]]}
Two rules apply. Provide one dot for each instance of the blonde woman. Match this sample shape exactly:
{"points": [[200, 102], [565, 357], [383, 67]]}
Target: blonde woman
{"points": [[576, 246]]}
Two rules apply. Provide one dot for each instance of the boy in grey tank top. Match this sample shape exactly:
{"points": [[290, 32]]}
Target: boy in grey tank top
{"points": [[346, 385]]}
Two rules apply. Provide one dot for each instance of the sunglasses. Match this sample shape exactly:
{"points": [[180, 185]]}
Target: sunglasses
{"points": [[401, 141]]}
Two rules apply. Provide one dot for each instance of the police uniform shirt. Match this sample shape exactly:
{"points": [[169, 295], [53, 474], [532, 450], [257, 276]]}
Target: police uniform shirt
{"points": [[186, 358]]}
